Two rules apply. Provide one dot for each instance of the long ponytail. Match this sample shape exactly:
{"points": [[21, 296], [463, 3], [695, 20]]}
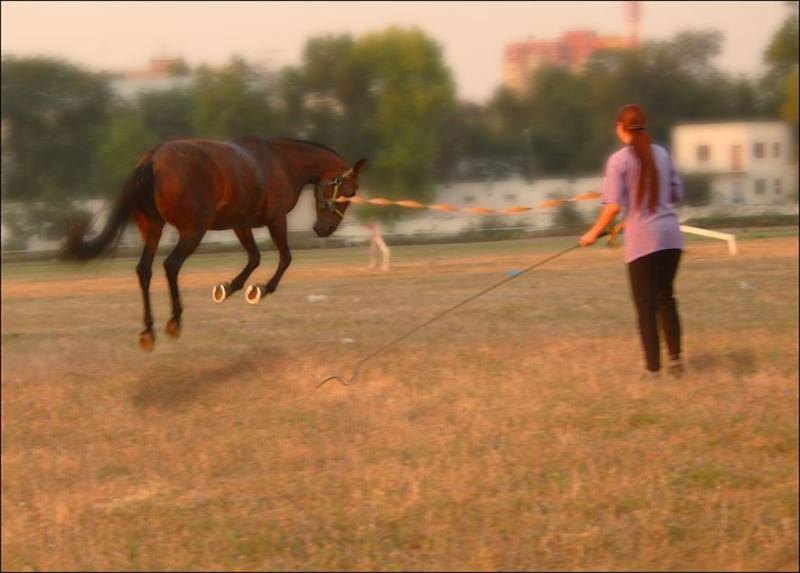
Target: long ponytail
{"points": [[633, 121]]}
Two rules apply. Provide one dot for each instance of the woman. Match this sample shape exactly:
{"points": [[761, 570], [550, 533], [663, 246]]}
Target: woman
{"points": [[641, 181]]}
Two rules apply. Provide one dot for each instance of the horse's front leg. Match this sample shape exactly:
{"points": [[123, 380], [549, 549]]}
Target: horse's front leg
{"points": [[187, 243], [277, 230]]}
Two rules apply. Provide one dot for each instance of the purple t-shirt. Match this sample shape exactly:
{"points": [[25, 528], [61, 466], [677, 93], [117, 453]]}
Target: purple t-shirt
{"points": [[645, 232]]}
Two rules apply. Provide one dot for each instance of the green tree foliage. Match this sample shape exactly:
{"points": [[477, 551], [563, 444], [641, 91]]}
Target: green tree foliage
{"points": [[466, 136], [340, 96], [125, 139], [166, 114], [781, 80], [782, 52], [564, 122], [789, 106], [290, 102], [385, 96], [231, 102], [555, 120], [153, 117], [52, 111], [179, 68], [413, 89]]}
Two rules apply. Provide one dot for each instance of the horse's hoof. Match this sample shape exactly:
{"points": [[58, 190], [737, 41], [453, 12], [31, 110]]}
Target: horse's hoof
{"points": [[147, 340], [173, 328], [254, 294], [221, 292]]}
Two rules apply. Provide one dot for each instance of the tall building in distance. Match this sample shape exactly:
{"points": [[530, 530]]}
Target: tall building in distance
{"points": [[571, 50]]}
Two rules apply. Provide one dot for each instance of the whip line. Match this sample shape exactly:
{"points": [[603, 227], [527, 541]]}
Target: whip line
{"points": [[438, 316]]}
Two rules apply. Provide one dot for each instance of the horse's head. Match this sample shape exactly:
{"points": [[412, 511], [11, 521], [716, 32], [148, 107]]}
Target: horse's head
{"points": [[331, 187]]}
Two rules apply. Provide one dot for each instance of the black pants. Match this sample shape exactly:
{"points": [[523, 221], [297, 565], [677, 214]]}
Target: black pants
{"points": [[651, 285]]}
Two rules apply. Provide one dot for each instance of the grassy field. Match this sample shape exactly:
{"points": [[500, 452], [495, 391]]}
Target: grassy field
{"points": [[513, 434]]}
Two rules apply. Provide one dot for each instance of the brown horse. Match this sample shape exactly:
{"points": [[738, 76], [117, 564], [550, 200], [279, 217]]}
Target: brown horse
{"points": [[198, 185]]}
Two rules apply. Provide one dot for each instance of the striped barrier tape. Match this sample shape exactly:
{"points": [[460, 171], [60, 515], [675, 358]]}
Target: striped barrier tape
{"points": [[410, 204]]}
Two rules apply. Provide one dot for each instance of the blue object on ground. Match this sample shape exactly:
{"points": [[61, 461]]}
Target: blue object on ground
{"points": [[514, 273]]}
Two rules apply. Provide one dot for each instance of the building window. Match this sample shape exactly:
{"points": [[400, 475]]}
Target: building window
{"points": [[760, 186], [511, 197], [703, 153], [758, 150], [469, 199], [776, 149], [777, 187]]}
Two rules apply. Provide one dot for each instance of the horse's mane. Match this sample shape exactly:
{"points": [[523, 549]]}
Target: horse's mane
{"points": [[310, 143]]}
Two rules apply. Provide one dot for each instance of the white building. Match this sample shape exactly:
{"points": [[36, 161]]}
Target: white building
{"points": [[162, 74], [751, 163], [129, 88]]}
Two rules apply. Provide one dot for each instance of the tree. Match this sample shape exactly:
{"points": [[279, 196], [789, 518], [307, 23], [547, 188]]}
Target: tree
{"points": [[179, 68], [465, 136], [124, 140], [231, 102], [413, 90], [340, 93], [53, 112], [508, 134], [782, 52], [384, 96], [780, 81], [290, 99], [564, 122], [789, 106], [166, 114], [558, 117]]}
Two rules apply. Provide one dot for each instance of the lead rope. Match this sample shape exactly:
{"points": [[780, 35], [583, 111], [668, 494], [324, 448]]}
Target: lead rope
{"points": [[361, 362]]}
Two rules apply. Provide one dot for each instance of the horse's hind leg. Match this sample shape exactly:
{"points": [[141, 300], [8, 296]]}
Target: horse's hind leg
{"points": [[151, 231], [187, 243], [224, 290]]}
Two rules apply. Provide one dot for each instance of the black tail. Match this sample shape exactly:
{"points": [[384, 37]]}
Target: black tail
{"points": [[136, 187]]}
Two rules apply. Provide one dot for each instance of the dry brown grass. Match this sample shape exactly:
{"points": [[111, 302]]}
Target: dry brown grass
{"points": [[511, 435]]}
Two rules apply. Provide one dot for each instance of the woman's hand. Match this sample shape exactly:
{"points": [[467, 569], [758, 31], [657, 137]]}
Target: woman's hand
{"points": [[603, 221], [589, 238]]}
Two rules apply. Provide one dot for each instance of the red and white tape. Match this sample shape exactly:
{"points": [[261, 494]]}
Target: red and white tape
{"points": [[411, 204]]}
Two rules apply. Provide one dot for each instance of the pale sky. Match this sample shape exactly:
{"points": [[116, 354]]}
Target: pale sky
{"points": [[125, 35]]}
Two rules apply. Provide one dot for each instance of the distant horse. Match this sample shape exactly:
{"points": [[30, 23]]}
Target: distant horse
{"points": [[201, 184]]}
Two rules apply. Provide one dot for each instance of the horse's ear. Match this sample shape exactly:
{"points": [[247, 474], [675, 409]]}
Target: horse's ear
{"points": [[359, 165]]}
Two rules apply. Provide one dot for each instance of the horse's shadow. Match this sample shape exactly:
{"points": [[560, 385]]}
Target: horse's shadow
{"points": [[166, 385]]}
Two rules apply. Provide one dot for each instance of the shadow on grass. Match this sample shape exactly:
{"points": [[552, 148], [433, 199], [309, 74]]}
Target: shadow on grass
{"points": [[169, 385], [740, 362]]}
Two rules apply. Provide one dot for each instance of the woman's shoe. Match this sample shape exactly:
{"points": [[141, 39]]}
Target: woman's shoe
{"points": [[675, 368], [650, 376]]}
